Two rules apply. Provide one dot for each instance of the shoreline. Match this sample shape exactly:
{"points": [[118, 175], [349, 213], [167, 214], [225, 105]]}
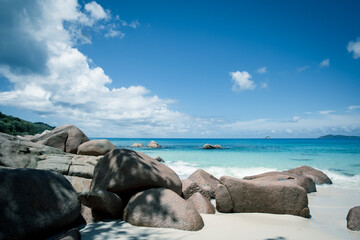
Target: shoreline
{"points": [[328, 208]]}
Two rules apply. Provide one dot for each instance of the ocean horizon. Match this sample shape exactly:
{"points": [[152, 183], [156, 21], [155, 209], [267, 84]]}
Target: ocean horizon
{"points": [[240, 157]]}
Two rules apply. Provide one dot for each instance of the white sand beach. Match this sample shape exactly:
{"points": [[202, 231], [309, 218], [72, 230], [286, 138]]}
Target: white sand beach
{"points": [[328, 206]]}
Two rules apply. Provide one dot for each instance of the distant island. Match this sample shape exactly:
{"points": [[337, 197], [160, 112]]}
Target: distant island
{"points": [[330, 136], [16, 126]]}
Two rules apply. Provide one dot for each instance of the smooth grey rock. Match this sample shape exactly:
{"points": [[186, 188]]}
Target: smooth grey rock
{"points": [[106, 203], [134, 145], [266, 197], [307, 183], [201, 203], [35, 204], [162, 208], [353, 219], [67, 138], [153, 144], [126, 172], [318, 176], [95, 147], [205, 180]]}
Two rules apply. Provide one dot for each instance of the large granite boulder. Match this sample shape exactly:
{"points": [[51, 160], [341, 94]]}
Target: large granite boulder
{"points": [[205, 180], [66, 138], [353, 219], [307, 183], [162, 208], [126, 172], [261, 196], [318, 176], [107, 204], [153, 144], [201, 203], [18, 153], [189, 188], [95, 147], [35, 204]]}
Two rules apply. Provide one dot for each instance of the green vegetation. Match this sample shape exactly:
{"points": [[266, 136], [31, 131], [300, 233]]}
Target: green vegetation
{"points": [[16, 126], [338, 137]]}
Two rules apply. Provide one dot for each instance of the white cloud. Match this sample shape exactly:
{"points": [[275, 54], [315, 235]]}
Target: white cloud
{"points": [[354, 47], [309, 126], [95, 10], [67, 88], [242, 81], [325, 112], [325, 63], [261, 70], [303, 68], [353, 107]]}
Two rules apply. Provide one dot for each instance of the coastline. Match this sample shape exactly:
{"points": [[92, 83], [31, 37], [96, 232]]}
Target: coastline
{"points": [[328, 207]]}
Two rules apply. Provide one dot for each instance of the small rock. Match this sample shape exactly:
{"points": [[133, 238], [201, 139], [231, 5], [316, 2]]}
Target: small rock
{"points": [[353, 219], [159, 159], [153, 144], [137, 145]]}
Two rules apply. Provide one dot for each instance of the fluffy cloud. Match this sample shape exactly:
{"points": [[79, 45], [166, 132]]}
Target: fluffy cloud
{"points": [[309, 126], [261, 70], [354, 47], [242, 81], [95, 10], [325, 63], [52, 77], [353, 107]]}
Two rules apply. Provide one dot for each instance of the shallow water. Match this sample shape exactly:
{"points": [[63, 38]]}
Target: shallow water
{"points": [[340, 159]]}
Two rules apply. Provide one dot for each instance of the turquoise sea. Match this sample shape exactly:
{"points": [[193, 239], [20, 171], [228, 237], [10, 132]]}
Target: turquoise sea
{"points": [[339, 159]]}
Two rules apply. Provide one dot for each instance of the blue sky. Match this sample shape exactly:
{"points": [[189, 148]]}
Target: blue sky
{"points": [[180, 69]]}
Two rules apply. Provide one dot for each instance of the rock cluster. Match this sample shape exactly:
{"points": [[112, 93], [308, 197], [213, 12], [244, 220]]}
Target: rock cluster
{"points": [[102, 182], [66, 138], [209, 146]]}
